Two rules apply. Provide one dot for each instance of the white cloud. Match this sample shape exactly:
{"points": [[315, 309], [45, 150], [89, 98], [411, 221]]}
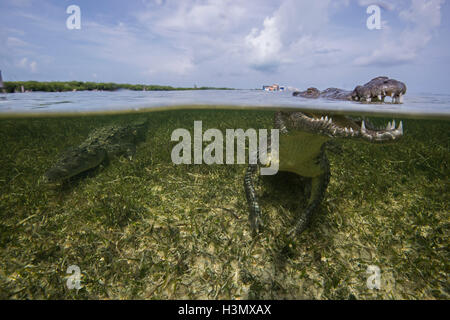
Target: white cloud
{"points": [[265, 45], [227, 41], [293, 34], [24, 63], [176, 65], [426, 15], [387, 5], [403, 46], [33, 66], [20, 3], [180, 38], [205, 17], [15, 46], [124, 44], [15, 42]]}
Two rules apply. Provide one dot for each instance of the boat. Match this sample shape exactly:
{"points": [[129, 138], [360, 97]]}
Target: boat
{"points": [[274, 87]]}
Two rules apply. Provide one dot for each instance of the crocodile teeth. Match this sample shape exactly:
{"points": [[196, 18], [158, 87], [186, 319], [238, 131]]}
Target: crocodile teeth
{"points": [[351, 130], [321, 119], [388, 127], [400, 127], [363, 126], [326, 118], [330, 120]]}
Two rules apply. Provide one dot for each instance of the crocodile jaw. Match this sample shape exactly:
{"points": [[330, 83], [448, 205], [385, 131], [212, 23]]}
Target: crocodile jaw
{"points": [[343, 127]]}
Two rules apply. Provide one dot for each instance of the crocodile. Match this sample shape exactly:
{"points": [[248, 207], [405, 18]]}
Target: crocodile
{"points": [[376, 90], [304, 137], [101, 144]]}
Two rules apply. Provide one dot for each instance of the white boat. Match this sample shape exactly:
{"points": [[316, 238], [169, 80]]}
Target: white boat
{"points": [[274, 87]]}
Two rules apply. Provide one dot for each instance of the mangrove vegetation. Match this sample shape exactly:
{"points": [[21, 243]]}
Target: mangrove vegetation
{"points": [[61, 86]]}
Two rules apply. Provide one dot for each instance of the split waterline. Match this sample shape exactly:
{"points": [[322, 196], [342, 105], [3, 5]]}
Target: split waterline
{"points": [[425, 106]]}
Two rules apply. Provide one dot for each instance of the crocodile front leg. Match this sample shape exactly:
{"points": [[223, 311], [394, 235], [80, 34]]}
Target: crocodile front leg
{"points": [[318, 187], [252, 199]]}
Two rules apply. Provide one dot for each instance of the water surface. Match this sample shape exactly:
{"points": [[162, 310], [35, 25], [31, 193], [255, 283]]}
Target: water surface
{"points": [[424, 105]]}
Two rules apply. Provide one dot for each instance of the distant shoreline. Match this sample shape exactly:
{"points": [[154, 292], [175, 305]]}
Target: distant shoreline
{"points": [[66, 86]]}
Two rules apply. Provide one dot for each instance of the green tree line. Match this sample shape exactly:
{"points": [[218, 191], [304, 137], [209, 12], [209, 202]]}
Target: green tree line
{"points": [[59, 86]]}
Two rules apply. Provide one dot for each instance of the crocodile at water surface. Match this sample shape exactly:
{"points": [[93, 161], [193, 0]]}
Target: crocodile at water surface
{"points": [[376, 90], [101, 144], [305, 135]]}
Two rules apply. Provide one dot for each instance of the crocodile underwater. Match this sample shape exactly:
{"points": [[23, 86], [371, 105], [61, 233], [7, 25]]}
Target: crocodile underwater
{"points": [[376, 90], [101, 144], [302, 143]]}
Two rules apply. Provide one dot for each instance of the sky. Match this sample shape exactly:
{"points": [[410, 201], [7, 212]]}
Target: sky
{"points": [[227, 43]]}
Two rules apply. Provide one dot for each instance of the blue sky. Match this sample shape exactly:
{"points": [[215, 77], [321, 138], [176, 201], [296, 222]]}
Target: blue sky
{"points": [[241, 44]]}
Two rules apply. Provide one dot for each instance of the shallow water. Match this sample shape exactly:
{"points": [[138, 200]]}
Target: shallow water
{"points": [[147, 228], [422, 106]]}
